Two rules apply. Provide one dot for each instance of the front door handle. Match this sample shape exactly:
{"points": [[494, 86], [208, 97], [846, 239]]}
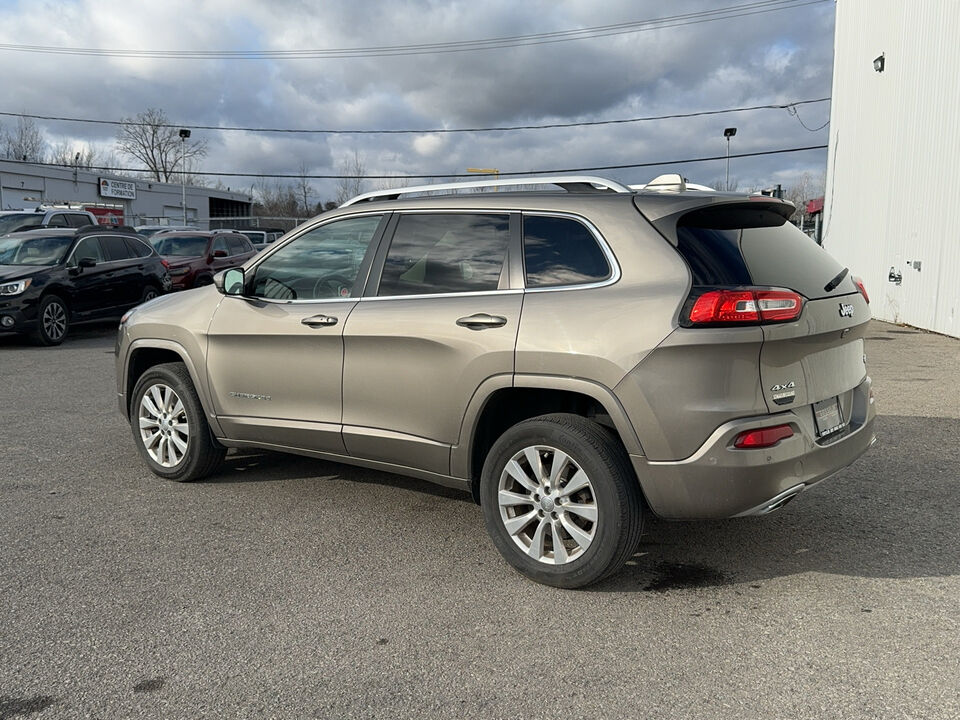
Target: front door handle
{"points": [[319, 321], [482, 321]]}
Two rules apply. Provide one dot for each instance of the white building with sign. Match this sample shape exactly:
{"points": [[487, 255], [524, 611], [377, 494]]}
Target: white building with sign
{"points": [[890, 211], [116, 199]]}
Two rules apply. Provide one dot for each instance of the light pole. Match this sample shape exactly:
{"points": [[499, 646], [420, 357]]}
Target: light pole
{"points": [[727, 133], [184, 134]]}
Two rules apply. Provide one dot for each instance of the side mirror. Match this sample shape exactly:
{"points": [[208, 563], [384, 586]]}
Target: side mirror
{"points": [[230, 282], [86, 262]]}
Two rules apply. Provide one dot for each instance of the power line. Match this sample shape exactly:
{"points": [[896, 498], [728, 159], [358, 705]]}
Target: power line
{"points": [[792, 110], [789, 107], [729, 12], [435, 174]]}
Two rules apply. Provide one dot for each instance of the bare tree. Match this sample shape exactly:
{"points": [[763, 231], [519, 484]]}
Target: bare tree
{"points": [[274, 199], [393, 182], [78, 156], [304, 189], [149, 139], [806, 188], [25, 141], [350, 184]]}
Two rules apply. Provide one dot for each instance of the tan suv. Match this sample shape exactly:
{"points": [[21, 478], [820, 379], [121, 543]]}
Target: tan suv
{"points": [[574, 358]]}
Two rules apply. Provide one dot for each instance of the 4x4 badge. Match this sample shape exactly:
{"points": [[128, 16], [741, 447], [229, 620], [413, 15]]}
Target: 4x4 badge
{"points": [[846, 310], [784, 393]]}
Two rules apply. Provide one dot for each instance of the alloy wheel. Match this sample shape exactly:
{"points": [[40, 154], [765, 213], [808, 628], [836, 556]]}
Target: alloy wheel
{"points": [[547, 505], [164, 429], [54, 320]]}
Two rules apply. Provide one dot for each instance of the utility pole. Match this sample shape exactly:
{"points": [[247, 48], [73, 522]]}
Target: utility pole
{"points": [[728, 133], [487, 171], [184, 134]]}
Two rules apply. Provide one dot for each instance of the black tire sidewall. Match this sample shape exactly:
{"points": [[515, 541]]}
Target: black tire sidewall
{"points": [[146, 292], [602, 554], [173, 377], [41, 333]]}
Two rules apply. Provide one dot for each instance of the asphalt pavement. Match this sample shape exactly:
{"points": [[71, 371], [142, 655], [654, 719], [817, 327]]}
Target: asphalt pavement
{"points": [[292, 588]]}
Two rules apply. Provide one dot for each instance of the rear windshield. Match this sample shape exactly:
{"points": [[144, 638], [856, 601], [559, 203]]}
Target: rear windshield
{"points": [[179, 245], [776, 255]]}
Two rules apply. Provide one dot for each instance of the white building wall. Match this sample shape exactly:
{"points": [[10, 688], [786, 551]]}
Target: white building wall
{"points": [[893, 169]]}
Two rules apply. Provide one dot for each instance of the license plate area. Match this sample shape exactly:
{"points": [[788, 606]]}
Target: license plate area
{"points": [[828, 417]]}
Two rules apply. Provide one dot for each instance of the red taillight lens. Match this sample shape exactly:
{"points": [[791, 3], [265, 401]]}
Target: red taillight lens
{"points": [[863, 290], [763, 437], [165, 263], [745, 306]]}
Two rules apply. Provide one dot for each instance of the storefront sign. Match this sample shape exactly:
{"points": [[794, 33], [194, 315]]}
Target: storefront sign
{"points": [[118, 189]]}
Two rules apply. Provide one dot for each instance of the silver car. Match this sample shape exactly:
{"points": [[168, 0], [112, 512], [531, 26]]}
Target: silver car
{"points": [[576, 359]]}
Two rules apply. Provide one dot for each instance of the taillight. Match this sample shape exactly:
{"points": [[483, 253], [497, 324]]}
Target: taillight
{"points": [[744, 306], [763, 437], [863, 291], [165, 263]]}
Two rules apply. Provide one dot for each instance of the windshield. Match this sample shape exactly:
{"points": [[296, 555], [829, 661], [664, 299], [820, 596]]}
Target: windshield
{"points": [[33, 250], [180, 245], [20, 221]]}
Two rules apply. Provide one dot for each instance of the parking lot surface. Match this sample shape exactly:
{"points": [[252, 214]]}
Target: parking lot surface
{"points": [[286, 587]]}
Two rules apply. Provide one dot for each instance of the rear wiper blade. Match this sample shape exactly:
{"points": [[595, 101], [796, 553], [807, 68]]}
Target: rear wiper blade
{"points": [[836, 281]]}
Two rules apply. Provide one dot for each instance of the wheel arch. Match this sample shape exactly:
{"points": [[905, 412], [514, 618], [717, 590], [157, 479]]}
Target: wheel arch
{"points": [[499, 404], [145, 354]]}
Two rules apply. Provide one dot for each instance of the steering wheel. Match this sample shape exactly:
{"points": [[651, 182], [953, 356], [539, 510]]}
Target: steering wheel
{"points": [[332, 286]]}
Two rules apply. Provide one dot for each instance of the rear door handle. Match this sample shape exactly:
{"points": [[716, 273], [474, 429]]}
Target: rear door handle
{"points": [[482, 321], [319, 321]]}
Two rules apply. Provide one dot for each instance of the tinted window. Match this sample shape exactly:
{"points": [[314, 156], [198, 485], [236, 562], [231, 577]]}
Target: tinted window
{"points": [[560, 251], [77, 220], [764, 250], [180, 245], [88, 247], [237, 245], [138, 248], [115, 248], [57, 220], [320, 264], [445, 253], [219, 243]]}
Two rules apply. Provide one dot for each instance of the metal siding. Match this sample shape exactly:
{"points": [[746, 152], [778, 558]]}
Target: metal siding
{"points": [[894, 153]]}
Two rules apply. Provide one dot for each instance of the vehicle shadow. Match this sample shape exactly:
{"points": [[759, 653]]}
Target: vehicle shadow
{"points": [[102, 331], [893, 514]]}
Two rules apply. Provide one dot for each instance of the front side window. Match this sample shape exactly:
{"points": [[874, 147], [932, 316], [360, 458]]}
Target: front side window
{"points": [[58, 220], [445, 253], [89, 247], [561, 251], [321, 264]]}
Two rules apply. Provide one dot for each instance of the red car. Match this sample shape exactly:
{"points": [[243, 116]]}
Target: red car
{"points": [[194, 257]]}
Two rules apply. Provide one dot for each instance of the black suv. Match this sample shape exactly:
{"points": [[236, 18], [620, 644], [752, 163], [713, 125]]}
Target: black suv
{"points": [[52, 278]]}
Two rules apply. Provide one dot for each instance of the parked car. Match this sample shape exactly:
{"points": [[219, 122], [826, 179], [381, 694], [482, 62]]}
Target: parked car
{"points": [[150, 230], [44, 217], [51, 279], [574, 359], [193, 257], [261, 239]]}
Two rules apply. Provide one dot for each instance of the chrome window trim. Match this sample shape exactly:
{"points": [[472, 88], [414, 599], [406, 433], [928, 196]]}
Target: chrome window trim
{"points": [[615, 273], [73, 252], [424, 296], [275, 301]]}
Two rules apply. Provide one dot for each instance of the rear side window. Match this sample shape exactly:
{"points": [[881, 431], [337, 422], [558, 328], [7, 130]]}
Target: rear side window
{"points": [[238, 245], [57, 220], [138, 248], [735, 247], [115, 248], [77, 220], [561, 251], [445, 253]]}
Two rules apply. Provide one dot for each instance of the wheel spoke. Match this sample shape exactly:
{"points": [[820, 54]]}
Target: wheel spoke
{"points": [[587, 512], [177, 408], [580, 537], [516, 524], [150, 407], [536, 466], [557, 466], [508, 499], [536, 544], [179, 443], [578, 482], [148, 442], [157, 398], [148, 423], [517, 473], [559, 550]]}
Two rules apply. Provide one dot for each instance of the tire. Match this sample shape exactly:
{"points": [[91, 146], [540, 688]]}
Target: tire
{"points": [[605, 528], [149, 293], [170, 428], [53, 321]]}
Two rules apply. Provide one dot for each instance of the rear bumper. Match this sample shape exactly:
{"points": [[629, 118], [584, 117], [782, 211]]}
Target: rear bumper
{"points": [[720, 481]]}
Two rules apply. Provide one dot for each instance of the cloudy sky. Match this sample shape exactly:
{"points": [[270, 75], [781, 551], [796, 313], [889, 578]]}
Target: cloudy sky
{"points": [[774, 57]]}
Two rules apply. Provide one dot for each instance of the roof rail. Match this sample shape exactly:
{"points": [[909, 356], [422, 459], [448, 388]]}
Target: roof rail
{"points": [[570, 183], [100, 229]]}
